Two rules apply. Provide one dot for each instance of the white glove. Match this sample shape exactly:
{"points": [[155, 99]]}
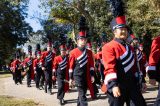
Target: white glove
{"points": [[43, 68], [92, 79]]}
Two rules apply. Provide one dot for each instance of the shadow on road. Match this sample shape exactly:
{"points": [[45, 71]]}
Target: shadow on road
{"points": [[101, 96], [72, 90], [71, 101]]}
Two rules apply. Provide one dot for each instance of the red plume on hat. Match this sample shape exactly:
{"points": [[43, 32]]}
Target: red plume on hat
{"points": [[82, 28]]}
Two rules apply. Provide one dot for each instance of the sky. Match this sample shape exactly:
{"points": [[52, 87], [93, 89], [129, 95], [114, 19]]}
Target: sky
{"points": [[34, 10]]}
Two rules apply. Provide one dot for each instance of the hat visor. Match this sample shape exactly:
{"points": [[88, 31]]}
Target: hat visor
{"points": [[62, 49], [79, 37], [119, 26]]}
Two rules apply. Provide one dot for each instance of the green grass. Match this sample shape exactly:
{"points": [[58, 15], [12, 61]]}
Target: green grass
{"points": [[10, 101], [5, 75], [4, 72]]}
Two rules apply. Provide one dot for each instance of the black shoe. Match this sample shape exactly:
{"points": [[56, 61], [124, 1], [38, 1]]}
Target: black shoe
{"points": [[45, 90], [28, 85], [41, 86], [54, 86], [61, 102], [38, 88], [97, 96]]}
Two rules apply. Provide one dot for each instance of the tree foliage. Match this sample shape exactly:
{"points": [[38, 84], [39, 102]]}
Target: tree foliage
{"points": [[141, 15], [144, 16], [13, 28], [54, 29], [69, 11]]}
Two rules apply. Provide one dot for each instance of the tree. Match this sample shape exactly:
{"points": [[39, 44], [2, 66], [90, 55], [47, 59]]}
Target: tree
{"points": [[13, 28], [69, 11], [141, 17], [144, 19], [53, 29], [144, 16]]}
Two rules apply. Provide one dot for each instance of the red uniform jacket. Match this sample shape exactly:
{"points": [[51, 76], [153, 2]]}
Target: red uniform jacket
{"points": [[61, 66], [28, 62], [15, 64], [154, 60], [37, 63], [48, 57], [77, 61], [98, 55], [11, 66], [98, 58], [118, 59]]}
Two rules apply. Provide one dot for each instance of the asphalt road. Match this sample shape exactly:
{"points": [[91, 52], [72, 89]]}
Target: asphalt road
{"points": [[7, 87]]}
